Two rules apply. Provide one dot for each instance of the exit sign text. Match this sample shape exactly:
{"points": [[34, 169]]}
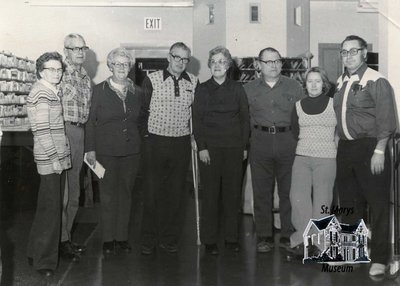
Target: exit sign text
{"points": [[152, 23]]}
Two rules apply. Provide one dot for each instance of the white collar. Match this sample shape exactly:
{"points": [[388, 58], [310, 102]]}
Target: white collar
{"points": [[49, 85]]}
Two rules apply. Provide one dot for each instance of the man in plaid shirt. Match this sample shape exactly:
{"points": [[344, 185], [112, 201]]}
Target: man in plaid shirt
{"points": [[76, 95]]}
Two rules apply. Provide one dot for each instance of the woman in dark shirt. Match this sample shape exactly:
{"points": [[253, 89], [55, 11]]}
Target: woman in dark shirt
{"points": [[221, 129], [112, 137]]}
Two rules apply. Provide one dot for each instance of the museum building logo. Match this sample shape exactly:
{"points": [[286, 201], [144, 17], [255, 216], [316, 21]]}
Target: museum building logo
{"points": [[335, 244]]}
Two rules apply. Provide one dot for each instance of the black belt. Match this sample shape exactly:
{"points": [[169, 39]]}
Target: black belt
{"points": [[273, 129], [77, 124]]}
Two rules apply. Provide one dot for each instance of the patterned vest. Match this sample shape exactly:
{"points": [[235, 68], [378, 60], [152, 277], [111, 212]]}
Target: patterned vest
{"points": [[170, 114], [317, 132]]}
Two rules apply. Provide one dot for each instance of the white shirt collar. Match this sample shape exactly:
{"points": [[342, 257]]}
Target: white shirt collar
{"points": [[49, 85]]}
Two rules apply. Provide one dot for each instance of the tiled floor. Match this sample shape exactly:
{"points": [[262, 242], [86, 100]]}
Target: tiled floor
{"points": [[190, 266]]}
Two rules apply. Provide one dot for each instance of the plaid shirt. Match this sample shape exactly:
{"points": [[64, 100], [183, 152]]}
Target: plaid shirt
{"points": [[76, 94]]}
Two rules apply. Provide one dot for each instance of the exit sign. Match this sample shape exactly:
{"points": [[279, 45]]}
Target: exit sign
{"points": [[152, 23]]}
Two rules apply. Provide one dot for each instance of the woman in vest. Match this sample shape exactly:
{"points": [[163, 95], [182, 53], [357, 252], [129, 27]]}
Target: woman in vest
{"points": [[314, 167]]}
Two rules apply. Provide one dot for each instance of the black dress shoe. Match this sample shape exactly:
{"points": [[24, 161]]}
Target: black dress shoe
{"points": [[46, 272], [67, 252], [124, 246], [30, 261], [170, 248], [212, 249], [234, 246], [284, 242], [109, 247], [297, 251], [78, 248]]}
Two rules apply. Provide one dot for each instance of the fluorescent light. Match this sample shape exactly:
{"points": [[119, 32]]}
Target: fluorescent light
{"points": [[105, 3]]}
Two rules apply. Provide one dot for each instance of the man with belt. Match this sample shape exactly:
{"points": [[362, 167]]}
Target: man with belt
{"points": [[272, 146], [76, 94], [164, 122], [364, 106]]}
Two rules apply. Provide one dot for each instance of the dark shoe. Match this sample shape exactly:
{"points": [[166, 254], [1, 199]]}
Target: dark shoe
{"points": [[265, 245], [124, 246], [147, 250], [170, 248], [284, 242], [234, 246], [109, 247], [67, 252], [296, 252], [30, 261], [46, 272], [78, 248], [212, 249]]}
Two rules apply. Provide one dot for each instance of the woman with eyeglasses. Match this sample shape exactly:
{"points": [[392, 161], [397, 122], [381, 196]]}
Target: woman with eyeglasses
{"points": [[112, 139], [221, 129], [52, 156], [314, 167]]}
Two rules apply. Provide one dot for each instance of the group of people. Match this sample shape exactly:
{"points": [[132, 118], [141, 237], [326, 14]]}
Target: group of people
{"points": [[296, 136]]}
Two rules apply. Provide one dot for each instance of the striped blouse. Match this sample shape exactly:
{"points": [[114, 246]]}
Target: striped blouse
{"points": [[50, 144]]}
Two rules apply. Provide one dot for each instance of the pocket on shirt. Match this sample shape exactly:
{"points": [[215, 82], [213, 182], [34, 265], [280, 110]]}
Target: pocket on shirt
{"points": [[287, 103], [363, 100]]}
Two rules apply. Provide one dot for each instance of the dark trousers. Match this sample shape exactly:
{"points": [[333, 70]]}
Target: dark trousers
{"points": [[221, 181], [166, 167], [116, 194], [358, 187], [44, 237], [271, 157]]}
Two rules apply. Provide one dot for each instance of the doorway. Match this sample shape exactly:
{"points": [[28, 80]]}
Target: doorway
{"points": [[145, 66], [329, 59]]}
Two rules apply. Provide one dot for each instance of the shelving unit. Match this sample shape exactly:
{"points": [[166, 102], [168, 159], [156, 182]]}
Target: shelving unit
{"points": [[291, 67], [17, 76]]}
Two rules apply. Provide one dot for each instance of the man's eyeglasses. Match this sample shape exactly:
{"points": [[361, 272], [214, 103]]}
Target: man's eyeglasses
{"points": [[78, 49], [179, 59], [220, 62], [53, 70], [351, 52], [272, 63], [121, 65]]}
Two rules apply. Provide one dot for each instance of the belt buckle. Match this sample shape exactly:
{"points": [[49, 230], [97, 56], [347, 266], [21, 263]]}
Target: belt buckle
{"points": [[272, 130]]}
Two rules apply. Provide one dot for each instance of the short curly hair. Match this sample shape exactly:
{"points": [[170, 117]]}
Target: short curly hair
{"points": [[220, 50], [48, 56], [119, 52]]}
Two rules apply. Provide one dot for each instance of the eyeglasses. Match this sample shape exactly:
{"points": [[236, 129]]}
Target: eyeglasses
{"points": [[271, 63], [53, 70], [219, 62], [351, 52], [78, 49], [121, 65], [179, 59]]}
